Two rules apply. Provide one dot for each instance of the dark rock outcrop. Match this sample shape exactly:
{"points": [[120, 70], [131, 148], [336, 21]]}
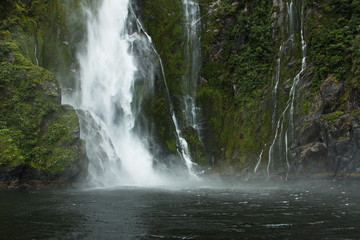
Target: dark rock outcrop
{"points": [[331, 90], [328, 141]]}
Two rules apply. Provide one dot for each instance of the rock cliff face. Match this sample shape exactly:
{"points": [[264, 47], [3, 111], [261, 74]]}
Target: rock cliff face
{"points": [[328, 136], [164, 21], [261, 106], [278, 85], [40, 142], [328, 105]]}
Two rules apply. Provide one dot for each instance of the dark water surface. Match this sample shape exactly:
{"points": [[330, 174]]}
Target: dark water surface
{"points": [[313, 210]]}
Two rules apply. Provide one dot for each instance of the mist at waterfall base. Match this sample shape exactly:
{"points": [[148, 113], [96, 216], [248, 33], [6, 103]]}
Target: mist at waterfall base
{"points": [[321, 209]]}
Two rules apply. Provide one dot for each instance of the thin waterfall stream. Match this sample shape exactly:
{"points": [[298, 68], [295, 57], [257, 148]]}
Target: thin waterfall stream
{"points": [[35, 54], [286, 118], [183, 148], [192, 25]]}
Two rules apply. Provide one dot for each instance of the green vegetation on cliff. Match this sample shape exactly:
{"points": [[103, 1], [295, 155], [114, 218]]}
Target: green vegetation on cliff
{"points": [[240, 43], [34, 128], [163, 20], [238, 52], [332, 30]]}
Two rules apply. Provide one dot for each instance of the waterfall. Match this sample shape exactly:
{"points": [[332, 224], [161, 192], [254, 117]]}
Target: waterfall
{"points": [[192, 59], [276, 86], [298, 76], [118, 64], [183, 148], [287, 155], [109, 68], [35, 54], [286, 119], [291, 18], [259, 161]]}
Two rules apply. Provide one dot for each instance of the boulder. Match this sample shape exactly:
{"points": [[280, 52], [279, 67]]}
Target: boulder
{"points": [[331, 90]]}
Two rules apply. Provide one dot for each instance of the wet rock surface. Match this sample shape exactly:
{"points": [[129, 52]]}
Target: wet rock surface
{"points": [[328, 141]]}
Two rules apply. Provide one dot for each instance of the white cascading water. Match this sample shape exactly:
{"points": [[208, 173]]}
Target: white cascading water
{"points": [[192, 26], [274, 94], [271, 148], [105, 98], [290, 105], [276, 86], [35, 54], [117, 154], [192, 58], [183, 148], [287, 155], [259, 161], [291, 19]]}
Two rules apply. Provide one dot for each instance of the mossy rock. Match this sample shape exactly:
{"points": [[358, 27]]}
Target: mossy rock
{"points": [[35, 129]]}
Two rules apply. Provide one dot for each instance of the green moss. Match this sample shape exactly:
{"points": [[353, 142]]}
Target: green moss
{"points": [[52, 160], [171, 145], [10, 153], [303, 107], [35, 128], [211, 100], [332, 117], [163, 21], [238, 52], [195, 146]]}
